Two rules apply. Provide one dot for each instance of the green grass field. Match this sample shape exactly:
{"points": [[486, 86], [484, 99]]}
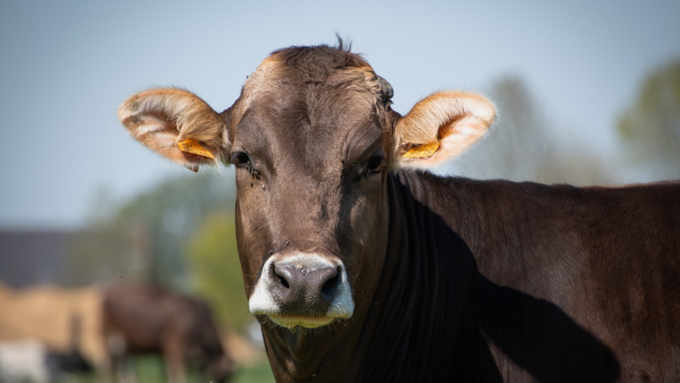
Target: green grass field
{"points": [[149, 369]]}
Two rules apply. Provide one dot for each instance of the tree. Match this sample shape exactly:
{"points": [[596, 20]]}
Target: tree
{"points": [[180, 233], [215, 269], [144, 237], [650, 127], [524, 145]]}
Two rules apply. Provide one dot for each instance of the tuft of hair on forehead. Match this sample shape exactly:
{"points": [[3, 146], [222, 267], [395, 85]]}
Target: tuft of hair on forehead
{"points": [[341, 44], [317, 63]]}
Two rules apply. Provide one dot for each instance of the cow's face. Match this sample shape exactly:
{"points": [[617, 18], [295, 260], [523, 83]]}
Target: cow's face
{"points": [[312, 138], [310, 150]]}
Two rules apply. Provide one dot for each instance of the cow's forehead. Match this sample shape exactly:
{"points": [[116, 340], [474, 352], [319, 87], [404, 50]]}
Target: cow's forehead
{"points": [[306, 74], [328, 96]]}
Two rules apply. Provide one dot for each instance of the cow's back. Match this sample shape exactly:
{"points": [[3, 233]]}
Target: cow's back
{"points": [[579, 281], [629, 290]]}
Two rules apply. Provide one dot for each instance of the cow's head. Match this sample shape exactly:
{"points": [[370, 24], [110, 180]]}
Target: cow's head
{"points": [[312, 137]]}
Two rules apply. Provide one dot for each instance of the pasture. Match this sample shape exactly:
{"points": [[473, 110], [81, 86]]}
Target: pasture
{"points": [[45, 314], [149, 369]]}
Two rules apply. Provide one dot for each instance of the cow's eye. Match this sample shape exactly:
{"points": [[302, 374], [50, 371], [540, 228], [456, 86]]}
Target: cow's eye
{"points": [[374, 164], [240, 159]]}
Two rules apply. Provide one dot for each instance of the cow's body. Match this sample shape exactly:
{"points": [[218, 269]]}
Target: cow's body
{"points": [[143, 319], [360, 271], [526, 282]]}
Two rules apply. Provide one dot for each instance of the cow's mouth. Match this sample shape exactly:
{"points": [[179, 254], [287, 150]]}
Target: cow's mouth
{"points": [[301, 321]]}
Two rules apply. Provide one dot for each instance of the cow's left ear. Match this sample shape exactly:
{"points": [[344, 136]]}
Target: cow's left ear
{"points": [[440, 127]]}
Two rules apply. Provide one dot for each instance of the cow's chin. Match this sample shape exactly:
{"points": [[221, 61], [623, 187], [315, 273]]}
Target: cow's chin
{"points": [[293, 322]]}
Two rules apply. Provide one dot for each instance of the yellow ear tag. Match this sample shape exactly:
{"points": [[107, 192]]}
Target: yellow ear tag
{"points": [[192, 146], [422, 151]]}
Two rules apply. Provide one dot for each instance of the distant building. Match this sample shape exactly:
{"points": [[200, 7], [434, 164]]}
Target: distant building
{"points": [[34, 257]]}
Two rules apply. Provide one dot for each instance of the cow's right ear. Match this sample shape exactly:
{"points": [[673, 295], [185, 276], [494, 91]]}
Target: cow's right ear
{"points": [[178, 125]]}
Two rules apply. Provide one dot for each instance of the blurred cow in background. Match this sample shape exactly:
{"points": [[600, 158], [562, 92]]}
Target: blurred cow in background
{"points": [[140, 319], [30, 360], [70, 360], [48, 332], [23, 361]]}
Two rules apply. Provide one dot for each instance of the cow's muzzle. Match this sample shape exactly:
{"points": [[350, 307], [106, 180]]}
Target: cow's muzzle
{"points": [[302, 289]]}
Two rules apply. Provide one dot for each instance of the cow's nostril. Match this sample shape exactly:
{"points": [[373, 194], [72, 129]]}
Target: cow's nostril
{"points": [[284, 276], [283, 281], [329, 287]]}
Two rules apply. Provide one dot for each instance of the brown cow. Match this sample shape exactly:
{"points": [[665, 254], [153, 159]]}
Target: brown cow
{"points": [[149, 319], [361, 266]]}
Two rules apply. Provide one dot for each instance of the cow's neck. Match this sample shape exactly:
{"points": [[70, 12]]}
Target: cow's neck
{"points": [[423, 328], [419, 327]]}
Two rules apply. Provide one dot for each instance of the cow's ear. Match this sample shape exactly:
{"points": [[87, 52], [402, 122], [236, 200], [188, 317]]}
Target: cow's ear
{"points": [[440, 127], [178, 125]]}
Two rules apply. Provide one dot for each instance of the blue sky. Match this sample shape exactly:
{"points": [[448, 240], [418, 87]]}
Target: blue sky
{"points": [[67, 65]]}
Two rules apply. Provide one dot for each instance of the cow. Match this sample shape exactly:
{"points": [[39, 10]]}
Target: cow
{"points": [[24, 361], [64, 320], [363, 266], [30, 360], [71, 360], [146, 318]]}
